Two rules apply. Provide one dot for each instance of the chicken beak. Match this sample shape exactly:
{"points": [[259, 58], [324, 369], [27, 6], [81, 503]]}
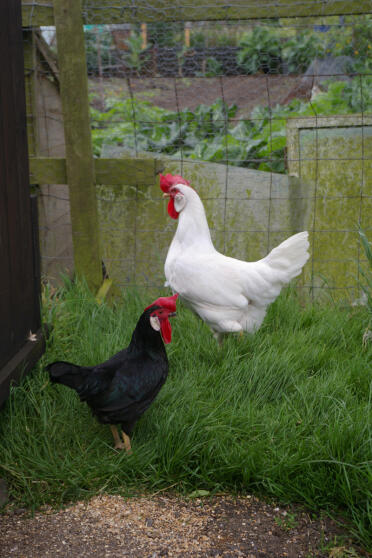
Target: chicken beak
{"points": [[166, 195], [172, 314]]}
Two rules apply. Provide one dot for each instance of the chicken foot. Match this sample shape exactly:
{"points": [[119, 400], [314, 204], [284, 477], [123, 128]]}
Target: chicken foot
{"points": [[125, 444], [126, 441], [118, 443]]}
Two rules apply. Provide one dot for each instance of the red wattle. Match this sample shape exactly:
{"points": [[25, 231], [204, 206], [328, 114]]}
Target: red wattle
{"points": [[171, 209], [166, 330]]}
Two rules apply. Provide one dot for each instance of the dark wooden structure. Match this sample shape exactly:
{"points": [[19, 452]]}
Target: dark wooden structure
{"points": [[19, 254]]}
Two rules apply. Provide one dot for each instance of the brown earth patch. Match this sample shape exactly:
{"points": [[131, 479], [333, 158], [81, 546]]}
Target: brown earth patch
{"points": [[166, 525], [180, 93]]}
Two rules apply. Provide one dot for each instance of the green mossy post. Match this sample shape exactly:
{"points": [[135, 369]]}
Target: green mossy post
{"points": [[131, 172], [119, 11], [79, 154]]}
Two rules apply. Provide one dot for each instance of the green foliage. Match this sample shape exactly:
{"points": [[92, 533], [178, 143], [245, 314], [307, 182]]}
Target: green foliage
{"points": [[285, 412], [357, 42], [98, 43], [197, 39], [210, 133], [260, 51], [133, 58], [213, 67], [300, 51], [165, 34]]}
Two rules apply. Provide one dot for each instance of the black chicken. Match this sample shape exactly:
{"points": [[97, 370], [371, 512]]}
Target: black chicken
{"points": [[121, 389]]}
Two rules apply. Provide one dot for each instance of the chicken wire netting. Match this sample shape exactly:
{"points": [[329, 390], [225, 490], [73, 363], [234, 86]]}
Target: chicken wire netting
{"points": [[270, 120]]}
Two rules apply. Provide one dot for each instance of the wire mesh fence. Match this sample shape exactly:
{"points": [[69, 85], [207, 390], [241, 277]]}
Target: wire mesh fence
{"points": [[270, 120]]}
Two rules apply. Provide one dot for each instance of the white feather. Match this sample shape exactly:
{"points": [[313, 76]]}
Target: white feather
{"points": [[228, 294]]}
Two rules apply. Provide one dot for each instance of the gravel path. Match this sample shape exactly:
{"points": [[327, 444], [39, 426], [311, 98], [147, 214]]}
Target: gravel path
{"points": [[165, 525]]}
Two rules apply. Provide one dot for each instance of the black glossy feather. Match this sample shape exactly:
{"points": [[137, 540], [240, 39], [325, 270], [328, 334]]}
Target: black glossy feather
{"points": [[120, 389]]}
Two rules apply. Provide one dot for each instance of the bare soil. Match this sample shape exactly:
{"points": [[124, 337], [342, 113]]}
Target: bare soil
{"points": [[166, 525], [180, 93]]}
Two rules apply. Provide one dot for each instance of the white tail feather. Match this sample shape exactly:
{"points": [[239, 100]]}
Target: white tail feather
{"points": [[290, 256]]}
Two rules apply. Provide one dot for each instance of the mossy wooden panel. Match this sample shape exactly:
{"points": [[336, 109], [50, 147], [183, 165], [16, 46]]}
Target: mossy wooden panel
{"points": [[40, 12], [48, 170], [36, 13], [131, 171], [245, 223], [107, 171], [336, 161]]}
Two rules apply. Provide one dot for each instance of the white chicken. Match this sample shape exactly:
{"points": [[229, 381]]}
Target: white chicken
{"points": [[230, 295]]}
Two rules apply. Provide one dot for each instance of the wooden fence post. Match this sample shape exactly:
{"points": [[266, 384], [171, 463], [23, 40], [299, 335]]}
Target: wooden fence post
{"points": [[79, 154]]}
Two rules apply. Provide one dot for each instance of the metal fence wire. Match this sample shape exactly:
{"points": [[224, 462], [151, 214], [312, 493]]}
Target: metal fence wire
{"points": [[269, 119]]}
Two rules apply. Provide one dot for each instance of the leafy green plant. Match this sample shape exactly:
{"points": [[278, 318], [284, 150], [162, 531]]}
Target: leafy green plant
{"points": [[300, 51], [287, 521], [358, 94], [260, 51], [213, 67], [197, 39], [98, 44], [134, 56], [165, 34], [210, 133], [359, 42]]}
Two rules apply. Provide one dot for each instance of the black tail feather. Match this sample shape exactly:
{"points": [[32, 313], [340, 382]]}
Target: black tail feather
{"points": [[66, 373]]}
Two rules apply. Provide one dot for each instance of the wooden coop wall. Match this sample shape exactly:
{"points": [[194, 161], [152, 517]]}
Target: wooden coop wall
{"points": [[19, 277]]}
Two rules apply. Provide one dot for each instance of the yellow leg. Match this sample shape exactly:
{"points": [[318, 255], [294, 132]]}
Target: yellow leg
{"points": [[118, 443], [127, 445]]}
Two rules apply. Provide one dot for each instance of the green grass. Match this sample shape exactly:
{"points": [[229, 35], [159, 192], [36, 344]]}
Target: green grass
{"points": [[285, 413]]}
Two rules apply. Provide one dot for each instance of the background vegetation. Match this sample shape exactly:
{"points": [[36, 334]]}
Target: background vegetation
{"points": [[279, 47], [210, 133]]}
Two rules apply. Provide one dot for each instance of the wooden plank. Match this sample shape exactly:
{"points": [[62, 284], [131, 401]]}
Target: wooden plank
{"points": [[47, 54], [17, 290], [29, 53], [37, 13], [119, 11], [131, 172], [79, 154], [48, 170], [6, 344], [294, 125], [21, 364]]}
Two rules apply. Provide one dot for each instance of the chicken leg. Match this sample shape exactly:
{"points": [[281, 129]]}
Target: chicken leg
{"points": [[118, 443], [126, 441]]}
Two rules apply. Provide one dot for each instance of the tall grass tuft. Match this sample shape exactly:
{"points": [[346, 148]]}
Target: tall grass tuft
{"points": [[285, 412]]}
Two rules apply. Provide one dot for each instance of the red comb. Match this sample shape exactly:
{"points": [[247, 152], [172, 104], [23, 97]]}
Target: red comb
{"points": [[168, 302], [170, 180]]}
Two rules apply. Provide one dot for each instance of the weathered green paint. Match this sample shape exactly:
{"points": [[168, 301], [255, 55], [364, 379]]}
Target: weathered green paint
{"points": [[119, 11], [332, 156], [49, 170], [79, 155], [136, 230]]}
